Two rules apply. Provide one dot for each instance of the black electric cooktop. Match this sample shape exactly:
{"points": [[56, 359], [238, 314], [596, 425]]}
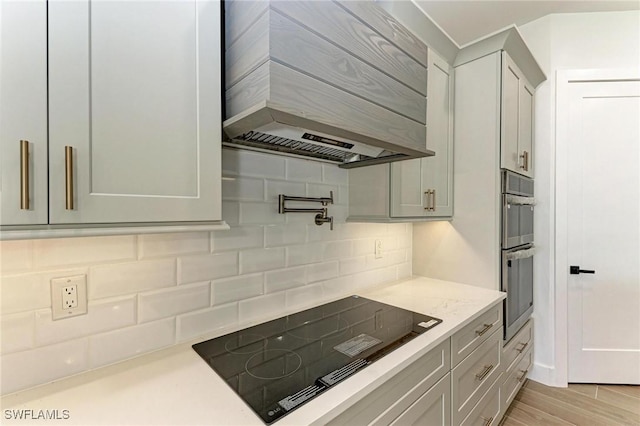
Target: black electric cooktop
{"points": [[279, 365]]}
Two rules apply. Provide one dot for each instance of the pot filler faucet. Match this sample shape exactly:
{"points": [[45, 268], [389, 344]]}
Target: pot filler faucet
{"points": [[321, 213]]}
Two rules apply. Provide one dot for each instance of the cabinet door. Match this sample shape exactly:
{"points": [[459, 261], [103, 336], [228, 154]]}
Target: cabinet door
{"points": [[510, 105], [408, 190], [517, 119], [135, 91], [438, 170], [23, 112], [525, 127], [424, 187], [433, 408]]}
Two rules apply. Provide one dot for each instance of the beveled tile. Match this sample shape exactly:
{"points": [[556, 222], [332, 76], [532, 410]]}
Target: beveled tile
{"points": [[170, 302]]}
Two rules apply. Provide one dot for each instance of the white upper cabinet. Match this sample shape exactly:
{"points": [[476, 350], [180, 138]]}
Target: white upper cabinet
{"points": [[419, 188], [23, 113], [517, 119], [424, 187], [135, 91], [134, 111]]}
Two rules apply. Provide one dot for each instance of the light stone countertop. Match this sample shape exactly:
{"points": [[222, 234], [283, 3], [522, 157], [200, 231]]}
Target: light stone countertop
{"points": [[175, 386]]}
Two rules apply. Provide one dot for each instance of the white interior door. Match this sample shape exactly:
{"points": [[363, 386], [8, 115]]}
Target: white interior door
{"points": [[603, 230]]}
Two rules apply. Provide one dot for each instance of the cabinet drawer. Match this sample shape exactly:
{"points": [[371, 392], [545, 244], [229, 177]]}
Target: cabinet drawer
{"points": [[433, 408], [514, 380], [517, 346], [396, 395], [472, 377], [470, 337], [487, 410]]}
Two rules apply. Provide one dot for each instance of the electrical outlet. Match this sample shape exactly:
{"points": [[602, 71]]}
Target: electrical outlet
{"points": [[68, 296], [378, 249]]}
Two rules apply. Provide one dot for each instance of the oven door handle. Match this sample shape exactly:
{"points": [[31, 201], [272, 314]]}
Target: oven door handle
{"points": [[521, 254], [520, 201]]}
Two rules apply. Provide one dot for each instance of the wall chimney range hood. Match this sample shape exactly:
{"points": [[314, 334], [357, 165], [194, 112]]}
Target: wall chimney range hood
{"points": [[311, 79]]}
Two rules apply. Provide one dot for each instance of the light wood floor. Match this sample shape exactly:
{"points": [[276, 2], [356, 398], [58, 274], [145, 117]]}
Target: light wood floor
{"points": [[581, 405]]}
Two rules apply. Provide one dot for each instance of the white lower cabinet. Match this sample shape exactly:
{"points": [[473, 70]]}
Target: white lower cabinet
{"points": [[432, 408], [487, 410], [462, 381], [518, 355], [389, 401]]}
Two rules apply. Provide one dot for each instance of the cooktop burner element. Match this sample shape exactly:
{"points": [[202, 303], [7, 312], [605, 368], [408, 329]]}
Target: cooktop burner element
{"points": [[279, 365]]}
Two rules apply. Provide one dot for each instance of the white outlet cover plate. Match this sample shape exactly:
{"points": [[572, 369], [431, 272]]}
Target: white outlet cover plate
{"points": [[57, 284]]}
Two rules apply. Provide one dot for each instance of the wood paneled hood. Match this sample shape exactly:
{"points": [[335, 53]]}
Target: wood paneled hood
{"points": [[336, 81]]}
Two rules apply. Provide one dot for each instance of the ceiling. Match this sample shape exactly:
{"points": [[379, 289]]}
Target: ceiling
{"points": [[468, 20]]}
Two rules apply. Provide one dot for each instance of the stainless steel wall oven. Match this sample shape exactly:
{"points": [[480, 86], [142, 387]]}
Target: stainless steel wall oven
{"points": [[517, 250]]}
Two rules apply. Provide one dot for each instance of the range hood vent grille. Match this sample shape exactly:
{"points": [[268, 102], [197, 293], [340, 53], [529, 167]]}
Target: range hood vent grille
{"points": [[259, 140]]}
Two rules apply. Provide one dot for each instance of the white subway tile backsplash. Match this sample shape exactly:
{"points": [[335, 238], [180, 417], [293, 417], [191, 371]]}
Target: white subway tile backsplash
{"points": [[258, 260], [101, 316], [241, 188], [74, 251], [231, 212], [353, 265], [208, 267], [277, 187], [165, 303], [304, 170], [364, 247], [334, 174], [197, 323], [16, 256], [303, 297], [25, 369], [164, 245], [343, 195], [260, 214], [237, 238], [284, 235], [124, 278], [31, 291], [324, 233], [107, 348], [322, 271], [405, 270], [284, 279], [305, 254], [337, 250], [261, 307], [17, 332], [247, 163], [323, 190], [236, 288]]}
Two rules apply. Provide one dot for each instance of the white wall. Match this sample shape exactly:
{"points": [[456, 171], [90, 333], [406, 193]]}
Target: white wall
{"points": [[147, 292], [562, 42]]}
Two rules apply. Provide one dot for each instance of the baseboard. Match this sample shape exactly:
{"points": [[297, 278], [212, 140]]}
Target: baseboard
{"points": [[546, 375]]}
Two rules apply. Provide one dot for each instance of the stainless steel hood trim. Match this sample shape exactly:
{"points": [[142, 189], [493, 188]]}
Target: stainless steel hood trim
{"points": [[266, 112]]}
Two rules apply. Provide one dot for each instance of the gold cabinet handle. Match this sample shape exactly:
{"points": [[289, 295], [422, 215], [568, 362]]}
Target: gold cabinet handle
{"points": [[68, 177], [524, 374], [485, 372], [488, 421], [524, 345], [484, 330], [525, 161], [24, 175], [430, 195]]}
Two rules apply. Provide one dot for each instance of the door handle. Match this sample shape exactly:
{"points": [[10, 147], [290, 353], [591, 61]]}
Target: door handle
{"points": [[575, 270]]}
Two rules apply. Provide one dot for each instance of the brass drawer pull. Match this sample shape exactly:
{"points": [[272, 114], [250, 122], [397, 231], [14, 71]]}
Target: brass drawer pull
{"points": [[487, 369], [484, 330], [24, 175], [68, 177], [524, 345], [524, 374], [525, 161], [431, 200], [488, 421]]}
